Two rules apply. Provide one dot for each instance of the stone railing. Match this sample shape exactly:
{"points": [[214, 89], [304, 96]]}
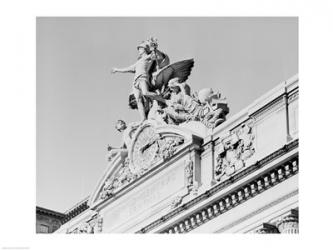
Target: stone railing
{"points": [[247, 191]]}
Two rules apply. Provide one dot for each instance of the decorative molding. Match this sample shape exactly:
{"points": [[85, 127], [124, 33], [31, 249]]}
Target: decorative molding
{"points": [[292, 96], [268, 108], [275, 176]]}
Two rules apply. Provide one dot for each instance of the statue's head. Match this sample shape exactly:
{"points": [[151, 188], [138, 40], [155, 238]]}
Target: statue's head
{"points": [[121, 125], [207, 95], [173, 85], [143, 48]]}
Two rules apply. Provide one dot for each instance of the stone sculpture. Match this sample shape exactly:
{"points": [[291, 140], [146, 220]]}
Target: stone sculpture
{"points": [[207, 106], [152, 72], [160, 93], [237, 148]]}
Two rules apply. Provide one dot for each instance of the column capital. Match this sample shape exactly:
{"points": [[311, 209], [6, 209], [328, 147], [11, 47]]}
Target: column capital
{"points": [[288, 224]]}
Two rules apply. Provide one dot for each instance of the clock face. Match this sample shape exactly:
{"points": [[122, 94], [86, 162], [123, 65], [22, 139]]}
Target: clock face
{"points": [[144, 149]]}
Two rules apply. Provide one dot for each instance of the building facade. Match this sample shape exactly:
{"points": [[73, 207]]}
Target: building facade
{"points": [[48, 221], [239, 177]]}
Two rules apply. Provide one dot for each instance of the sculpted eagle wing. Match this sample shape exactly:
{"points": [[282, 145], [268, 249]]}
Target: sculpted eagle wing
{"points": [[181, 69]]}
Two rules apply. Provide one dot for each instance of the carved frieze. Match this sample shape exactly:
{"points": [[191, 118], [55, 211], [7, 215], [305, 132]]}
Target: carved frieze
{"points": [[91, 226], [236, 149], [148, 148], [122, 178]]}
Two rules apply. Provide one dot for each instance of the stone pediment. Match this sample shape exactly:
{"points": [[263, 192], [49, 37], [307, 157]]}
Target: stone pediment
{"points": [[151, 147]]}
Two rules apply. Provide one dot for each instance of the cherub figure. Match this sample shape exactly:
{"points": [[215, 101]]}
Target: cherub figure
{"points": [[150, 59]]}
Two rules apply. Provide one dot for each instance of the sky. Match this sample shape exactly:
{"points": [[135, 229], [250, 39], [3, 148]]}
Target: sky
{"points": [[79, 101]]}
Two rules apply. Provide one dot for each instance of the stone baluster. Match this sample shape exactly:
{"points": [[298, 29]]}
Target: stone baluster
{"points": [[198, 219], [204, 215], [240, 195], [267, 180], [216, 209], [254, 188], [227, 202], [222, 205], [187, 225], [234, 199], [193, 221], [246, 192], [273, 177], [181, 227], [260, 185], [210, 212], [289, 223], [287, 169], [295, 165]]}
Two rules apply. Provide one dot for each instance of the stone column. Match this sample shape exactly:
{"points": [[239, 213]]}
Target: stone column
{"points": [[267, 228], [289, 223]]}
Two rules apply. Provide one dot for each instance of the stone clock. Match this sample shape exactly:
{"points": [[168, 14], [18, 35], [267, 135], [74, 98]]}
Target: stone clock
{"points": [[144, 149]]}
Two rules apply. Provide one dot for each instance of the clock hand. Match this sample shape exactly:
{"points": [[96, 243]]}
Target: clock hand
{"points": [[145, 147]]}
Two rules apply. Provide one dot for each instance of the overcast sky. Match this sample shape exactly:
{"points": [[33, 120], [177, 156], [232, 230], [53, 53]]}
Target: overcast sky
{"points": [[78, 100]]}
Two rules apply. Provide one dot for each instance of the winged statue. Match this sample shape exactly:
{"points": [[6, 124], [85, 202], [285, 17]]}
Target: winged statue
{"points": [[160, 88], [160, 92], [152, 72], [180, 70]]}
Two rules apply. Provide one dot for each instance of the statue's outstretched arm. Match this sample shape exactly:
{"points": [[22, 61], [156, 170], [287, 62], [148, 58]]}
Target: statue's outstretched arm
{"points": [[130, 69]]}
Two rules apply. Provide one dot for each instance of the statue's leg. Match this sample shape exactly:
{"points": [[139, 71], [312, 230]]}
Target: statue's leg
{"points": [[145, 91], [214, 115], [139, 101]]}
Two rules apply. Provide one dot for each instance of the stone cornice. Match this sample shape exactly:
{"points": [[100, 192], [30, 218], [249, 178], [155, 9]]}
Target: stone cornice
{"points": [[76, 210], [48, 212], [247, 191]]}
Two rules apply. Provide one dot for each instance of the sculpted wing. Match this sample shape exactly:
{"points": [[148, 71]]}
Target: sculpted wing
{"points": [[181, 69]]}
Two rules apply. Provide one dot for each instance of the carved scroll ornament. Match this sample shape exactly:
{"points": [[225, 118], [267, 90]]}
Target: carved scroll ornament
{"points": [[237, 148]]}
